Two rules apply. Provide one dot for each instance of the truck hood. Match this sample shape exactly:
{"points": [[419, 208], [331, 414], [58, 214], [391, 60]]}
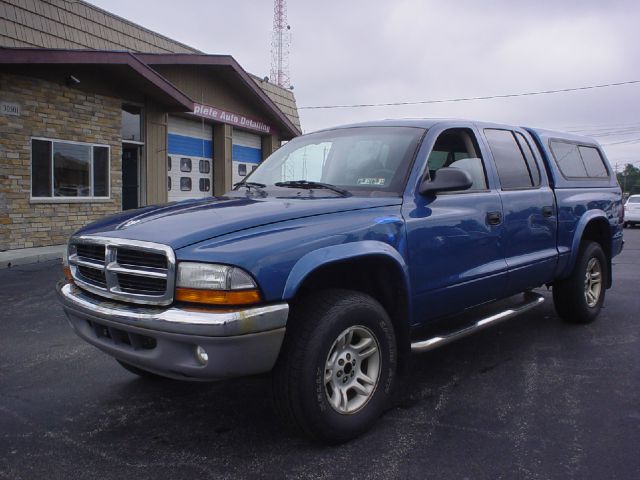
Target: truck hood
{"points": [[192, 221]]}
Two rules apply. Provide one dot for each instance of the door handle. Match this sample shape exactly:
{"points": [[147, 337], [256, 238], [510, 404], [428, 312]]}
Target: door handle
{"points": [[494, 218], [547, 211]]}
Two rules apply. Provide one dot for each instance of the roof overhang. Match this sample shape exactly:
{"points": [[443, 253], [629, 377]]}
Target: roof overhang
{"points": [[286, 127], [115, 73]]}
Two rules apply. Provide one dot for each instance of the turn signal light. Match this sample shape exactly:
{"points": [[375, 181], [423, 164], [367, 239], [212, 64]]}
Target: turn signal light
{"points": [[218, 297], [67, 273]]}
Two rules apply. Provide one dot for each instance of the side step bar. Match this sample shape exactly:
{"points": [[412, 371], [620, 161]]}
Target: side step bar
{"points": [[531, 300]]}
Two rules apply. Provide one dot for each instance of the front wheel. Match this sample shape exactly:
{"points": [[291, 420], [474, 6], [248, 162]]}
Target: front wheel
{"points": [[579, 298], [336, 371]]}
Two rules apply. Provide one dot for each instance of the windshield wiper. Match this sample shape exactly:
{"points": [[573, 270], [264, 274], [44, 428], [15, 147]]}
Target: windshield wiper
{"points": [[309, 185], [249, 185]]}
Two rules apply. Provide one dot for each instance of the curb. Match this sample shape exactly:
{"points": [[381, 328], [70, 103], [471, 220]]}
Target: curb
{"points": [[14, 258]]}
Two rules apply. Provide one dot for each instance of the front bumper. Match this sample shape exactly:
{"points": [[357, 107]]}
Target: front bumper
{"points": [[163, 340]]}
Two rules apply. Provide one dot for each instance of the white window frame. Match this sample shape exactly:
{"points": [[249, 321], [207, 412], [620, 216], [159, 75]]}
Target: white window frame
{"points": [[53, 199]]}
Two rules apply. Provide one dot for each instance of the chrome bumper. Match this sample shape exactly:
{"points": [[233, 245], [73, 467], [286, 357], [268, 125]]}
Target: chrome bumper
{"points": [[163, 340]]}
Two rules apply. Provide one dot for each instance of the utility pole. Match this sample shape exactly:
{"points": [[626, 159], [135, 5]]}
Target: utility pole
{"points": [[280, 43]]}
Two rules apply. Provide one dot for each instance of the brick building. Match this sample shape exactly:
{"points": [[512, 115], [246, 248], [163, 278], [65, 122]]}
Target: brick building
{"points": [[98, 115]]}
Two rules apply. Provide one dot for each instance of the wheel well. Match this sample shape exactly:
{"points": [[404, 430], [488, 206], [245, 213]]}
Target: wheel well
{"points": [[598, 231], [375, 275]]}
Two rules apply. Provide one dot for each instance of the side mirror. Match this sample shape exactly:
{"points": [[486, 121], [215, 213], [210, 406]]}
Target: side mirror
{"points": [[446, 179]]}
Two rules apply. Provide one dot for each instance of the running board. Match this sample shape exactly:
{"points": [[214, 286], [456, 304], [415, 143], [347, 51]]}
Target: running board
{"points": [[532, 300]]}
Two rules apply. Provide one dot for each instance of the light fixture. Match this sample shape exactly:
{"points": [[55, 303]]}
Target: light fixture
{"points": [[72, 81]]}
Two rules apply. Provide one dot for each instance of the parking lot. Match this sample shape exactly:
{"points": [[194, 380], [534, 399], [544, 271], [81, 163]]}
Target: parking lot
{"points": [[532, 398]]}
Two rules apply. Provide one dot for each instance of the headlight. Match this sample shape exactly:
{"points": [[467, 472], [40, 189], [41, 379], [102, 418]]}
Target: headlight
{"points": [[215, 284]]}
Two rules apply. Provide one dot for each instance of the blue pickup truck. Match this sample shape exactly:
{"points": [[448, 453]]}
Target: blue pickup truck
{"points": [[344, 252]]}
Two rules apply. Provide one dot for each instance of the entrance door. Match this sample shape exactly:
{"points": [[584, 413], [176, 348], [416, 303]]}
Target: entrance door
{"points": [[130, 177], [246, 153], [190, 159]]}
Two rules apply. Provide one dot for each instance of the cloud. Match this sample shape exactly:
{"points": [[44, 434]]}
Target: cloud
{"points": [[361, 51]]}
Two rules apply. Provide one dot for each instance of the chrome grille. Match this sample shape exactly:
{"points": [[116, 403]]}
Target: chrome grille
{"points": [[127, 270], [136, 283], [91, 252], [137, 258], [93, 275]]}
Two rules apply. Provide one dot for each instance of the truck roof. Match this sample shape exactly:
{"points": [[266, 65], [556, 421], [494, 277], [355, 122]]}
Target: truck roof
{"points": [[542, 133]]}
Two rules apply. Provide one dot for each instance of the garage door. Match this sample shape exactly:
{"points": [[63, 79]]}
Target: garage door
{"points": [[246, 153], [190, 159]]}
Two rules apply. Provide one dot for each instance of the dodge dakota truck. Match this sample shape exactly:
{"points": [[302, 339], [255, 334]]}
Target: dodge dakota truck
{"points": [[344, 252]]}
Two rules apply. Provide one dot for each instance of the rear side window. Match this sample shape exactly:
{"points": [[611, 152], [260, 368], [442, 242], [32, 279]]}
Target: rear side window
{"points": [[513, 169], [578, 161], [525, 146]]}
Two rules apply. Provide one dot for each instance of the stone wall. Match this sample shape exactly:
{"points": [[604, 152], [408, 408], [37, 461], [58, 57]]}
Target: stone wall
{"points": [[53, 111]]}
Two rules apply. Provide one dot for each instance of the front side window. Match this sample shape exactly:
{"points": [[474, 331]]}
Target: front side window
{"points": [[458, 148], [65, 169], [363, 160]]}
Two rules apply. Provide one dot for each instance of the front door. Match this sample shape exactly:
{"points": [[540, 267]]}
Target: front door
{"points": [[130, 177], [454, 238]]}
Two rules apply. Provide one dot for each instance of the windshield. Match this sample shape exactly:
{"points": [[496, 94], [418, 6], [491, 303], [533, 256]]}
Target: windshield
{"points": [[633, 200], [361, 160]]}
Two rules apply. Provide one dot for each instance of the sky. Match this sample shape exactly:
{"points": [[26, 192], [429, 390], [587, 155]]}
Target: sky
{"points": [[357, 51]]}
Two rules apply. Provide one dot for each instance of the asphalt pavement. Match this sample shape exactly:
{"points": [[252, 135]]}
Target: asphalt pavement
{"points": [[533, 398]]}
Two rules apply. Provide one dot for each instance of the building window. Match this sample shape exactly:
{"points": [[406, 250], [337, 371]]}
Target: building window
{"points": [[185, 164], [69, 169], [185, 184], [205, 166], [205, 185], [131, 124]]}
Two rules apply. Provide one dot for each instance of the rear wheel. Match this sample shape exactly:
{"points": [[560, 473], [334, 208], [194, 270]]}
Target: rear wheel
{"points": [[579, 298], [336, 371]]}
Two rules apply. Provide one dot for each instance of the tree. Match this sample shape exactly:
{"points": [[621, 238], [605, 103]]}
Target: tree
{"points": [[629, 179]]}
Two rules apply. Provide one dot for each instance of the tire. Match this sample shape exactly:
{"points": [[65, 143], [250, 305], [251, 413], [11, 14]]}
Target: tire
{"points": [[579, 298], [336, 372], [138, 371], [625, 225]]}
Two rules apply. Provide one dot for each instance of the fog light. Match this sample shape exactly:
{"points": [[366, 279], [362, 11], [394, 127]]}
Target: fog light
{"points": [[202, 355]]}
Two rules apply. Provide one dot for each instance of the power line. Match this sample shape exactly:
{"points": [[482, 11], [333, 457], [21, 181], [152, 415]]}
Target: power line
{"points": [[633, 140], [468, 99]]}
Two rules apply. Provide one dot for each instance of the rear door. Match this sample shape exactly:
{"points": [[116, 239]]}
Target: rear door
{"points": [[530, 222]]}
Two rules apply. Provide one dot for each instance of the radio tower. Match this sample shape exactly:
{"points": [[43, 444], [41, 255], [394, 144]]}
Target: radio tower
{"points": [[280, 42]]}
